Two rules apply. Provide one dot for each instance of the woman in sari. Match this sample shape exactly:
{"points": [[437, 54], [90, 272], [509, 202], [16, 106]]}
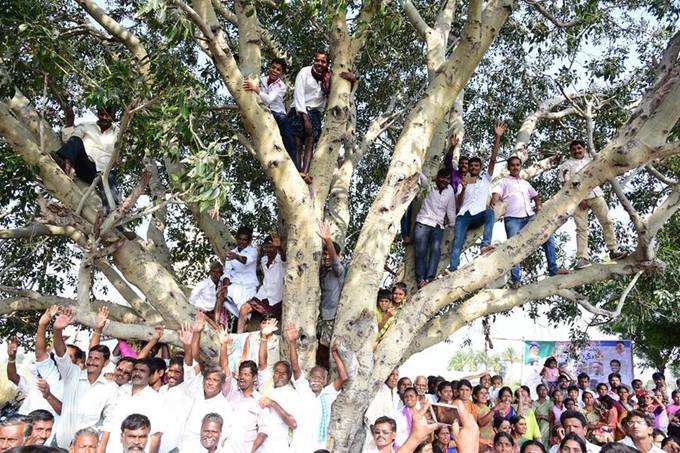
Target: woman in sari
{"points": [[480, 396], [542, 409]]}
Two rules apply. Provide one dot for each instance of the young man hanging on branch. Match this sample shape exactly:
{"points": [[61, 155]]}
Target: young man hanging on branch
{"points": [[89, 147], [312, 86], [517, 194], [472, 199], [594, 202]]}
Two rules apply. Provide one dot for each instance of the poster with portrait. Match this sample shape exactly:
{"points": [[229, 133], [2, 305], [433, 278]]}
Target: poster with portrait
{"points": [[596, 358]]}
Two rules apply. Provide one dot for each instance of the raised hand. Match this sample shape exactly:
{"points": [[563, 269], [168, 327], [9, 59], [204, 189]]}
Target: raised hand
{"points": [[421, 429], [199, 323], [48, 315], [224, 336], [500, 128], [186, 334], [292, 333], [453, 141], [12, 346], [102, 319], [324, 230], [468, 435], [64, 319], [269, 327], [158, 332]]}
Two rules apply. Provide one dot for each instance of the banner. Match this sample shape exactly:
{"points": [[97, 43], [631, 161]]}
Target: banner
{"points": [[597, 359]]}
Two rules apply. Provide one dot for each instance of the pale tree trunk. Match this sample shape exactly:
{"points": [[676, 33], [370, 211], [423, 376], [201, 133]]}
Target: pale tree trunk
{"points": [[355, 326]]}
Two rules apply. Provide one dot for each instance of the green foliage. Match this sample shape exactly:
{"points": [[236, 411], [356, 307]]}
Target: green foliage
{"points": [[42, 41]]}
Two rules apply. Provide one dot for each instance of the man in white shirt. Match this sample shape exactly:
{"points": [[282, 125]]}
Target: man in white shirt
{"points": [[594, 201], [87, 395], [207, 399], [517, 194], [272, 90], [312, 86], [282, 408], [88, 148], [315, 397], [575, 422], [134, 398], [204, 294], [211, 432], [267, 300], [385, 403], [239, 280], [472, 201], [638, 426], [439, 203]]}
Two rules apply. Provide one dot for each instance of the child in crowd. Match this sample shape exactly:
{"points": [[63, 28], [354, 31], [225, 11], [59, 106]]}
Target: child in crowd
{"points": [[550, 373], [399, 293]]}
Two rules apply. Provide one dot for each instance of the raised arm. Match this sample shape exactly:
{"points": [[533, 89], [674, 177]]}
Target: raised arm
{"points": [[64, 319], [324, 232], [498, 131], [225, 351], [146, 350], [340, 365], [41, 333], [101, 322], [12, 375], [196, 329], [185, 336], [292, 333], [268, 328]]}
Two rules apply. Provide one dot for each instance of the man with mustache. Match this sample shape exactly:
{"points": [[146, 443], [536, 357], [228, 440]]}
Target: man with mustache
{"points": [[42, 423], [88, 148], [135, 433], [211, 431], [134, 398], [87, 395]]}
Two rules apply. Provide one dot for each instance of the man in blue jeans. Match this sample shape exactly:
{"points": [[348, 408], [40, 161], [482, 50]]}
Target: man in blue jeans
{"points": [[472, 199], [429, 228], [517, 194]]}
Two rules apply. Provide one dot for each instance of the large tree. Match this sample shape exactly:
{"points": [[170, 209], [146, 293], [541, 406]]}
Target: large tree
{"points": [[209, 155]]}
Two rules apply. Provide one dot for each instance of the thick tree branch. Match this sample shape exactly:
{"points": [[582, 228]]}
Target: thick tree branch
{"points": [[132, 42], [416, 19], [491, 301], [38, 229]]}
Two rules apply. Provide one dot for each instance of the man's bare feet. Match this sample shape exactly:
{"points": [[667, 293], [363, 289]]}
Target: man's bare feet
{"points": [[486, 249]]}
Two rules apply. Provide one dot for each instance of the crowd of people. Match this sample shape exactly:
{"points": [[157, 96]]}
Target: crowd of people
{"points": [[130, 400], [566, 415]]}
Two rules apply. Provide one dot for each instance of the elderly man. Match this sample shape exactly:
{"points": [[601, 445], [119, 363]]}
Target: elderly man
{"points": [[211, 432], [315, 397], [86, 440], [13, 432]]}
